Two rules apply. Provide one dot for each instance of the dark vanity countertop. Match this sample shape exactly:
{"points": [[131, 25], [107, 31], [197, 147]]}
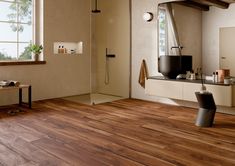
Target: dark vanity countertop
{"points": [[186, 80]]}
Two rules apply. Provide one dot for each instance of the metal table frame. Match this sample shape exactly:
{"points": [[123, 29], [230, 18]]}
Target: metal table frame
{"points": [[20, 88]]}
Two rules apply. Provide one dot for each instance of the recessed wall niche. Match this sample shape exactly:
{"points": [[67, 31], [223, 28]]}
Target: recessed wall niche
{"points": [[68, 48]]}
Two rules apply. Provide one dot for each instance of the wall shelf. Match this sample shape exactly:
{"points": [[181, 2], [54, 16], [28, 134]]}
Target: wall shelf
{"points": [[68, 48]]}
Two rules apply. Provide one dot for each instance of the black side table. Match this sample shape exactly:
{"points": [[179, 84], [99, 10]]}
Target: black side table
{"points": [[207, 109]]}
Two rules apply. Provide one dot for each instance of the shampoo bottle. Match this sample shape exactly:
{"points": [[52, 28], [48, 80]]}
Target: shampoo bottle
{"points": [[213, 77], [216, 77], [59, 50], [62, 49]]}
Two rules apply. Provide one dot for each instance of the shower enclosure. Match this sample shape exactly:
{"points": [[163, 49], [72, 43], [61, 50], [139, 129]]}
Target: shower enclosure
{"points": [[110, 52]]}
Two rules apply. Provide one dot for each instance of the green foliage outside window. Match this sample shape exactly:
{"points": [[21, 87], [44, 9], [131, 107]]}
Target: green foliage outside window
{"points": [[23, 8], [4, 57], [26, 54], [21, 12]]}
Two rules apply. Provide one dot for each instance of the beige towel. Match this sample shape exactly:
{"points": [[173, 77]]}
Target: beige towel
{"points": [[143, 74]]}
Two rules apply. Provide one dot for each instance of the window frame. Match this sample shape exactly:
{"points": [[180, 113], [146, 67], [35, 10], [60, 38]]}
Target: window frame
{"points": [[36, 34], [162, 9]]}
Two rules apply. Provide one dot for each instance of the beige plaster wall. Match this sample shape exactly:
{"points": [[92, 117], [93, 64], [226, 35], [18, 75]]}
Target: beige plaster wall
{"points": [[65, 20], [189, 25], [213, 20], [144, 44]]}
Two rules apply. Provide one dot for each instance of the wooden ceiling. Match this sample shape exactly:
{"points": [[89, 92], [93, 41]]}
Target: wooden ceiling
{"points": [[204, 5]]}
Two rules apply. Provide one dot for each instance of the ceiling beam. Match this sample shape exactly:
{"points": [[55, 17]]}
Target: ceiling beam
{"points": [[217, 3], [194, 5]]}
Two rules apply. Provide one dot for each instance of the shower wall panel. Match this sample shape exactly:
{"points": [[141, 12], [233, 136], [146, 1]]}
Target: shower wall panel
{"points": [[111, 30]]}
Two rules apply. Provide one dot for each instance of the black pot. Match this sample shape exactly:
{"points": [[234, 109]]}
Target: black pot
{"points": [[171, 65]]}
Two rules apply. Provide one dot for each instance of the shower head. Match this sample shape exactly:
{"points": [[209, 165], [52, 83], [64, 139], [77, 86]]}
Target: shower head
{"points": [[96, 10]]}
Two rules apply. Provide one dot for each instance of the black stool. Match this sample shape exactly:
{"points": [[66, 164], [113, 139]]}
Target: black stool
{"points": [[207, 109]]}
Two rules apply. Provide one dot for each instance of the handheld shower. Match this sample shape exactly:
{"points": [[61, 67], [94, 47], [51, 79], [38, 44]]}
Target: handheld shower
{"points": [[106, 79]]}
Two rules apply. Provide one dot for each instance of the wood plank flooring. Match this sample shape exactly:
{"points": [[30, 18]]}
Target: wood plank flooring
{"points": [[122, 133]]}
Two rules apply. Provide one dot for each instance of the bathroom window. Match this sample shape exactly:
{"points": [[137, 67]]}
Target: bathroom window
{"points": [[162, 31], [17, 29]]}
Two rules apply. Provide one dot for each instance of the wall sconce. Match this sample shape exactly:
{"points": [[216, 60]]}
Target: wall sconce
{"points": [[148, 16]]}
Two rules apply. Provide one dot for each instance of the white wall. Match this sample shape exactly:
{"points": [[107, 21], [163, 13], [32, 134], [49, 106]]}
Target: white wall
{"points": [[65, 20], [144, 41], [144, 46], [214, 19]]}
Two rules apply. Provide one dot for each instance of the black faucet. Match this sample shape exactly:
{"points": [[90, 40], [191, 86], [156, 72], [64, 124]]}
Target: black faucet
{"points": [[179, 47]]}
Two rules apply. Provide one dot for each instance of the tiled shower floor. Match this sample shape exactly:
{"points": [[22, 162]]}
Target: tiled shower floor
{"points": [[94, 98]]}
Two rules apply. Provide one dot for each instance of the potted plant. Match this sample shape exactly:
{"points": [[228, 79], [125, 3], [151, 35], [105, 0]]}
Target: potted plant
{"points": [[36, 49]]}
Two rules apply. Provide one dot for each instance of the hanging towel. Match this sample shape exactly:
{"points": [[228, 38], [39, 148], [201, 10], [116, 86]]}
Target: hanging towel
{"points": [[143, 74]]}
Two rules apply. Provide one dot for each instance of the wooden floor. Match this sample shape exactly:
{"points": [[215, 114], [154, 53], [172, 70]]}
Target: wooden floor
{"points": [[124, 133]]}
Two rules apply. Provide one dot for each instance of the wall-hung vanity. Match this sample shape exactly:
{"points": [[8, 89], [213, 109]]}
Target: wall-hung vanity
{"points": [[224, 94]]}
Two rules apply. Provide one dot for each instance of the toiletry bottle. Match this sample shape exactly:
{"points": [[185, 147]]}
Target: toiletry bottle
{"points": [[216, 77], [59, 50], [62, 49], [213, 77]]}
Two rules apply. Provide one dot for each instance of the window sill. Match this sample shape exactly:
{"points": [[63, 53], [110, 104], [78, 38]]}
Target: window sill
{"points": [[11, 63]]}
